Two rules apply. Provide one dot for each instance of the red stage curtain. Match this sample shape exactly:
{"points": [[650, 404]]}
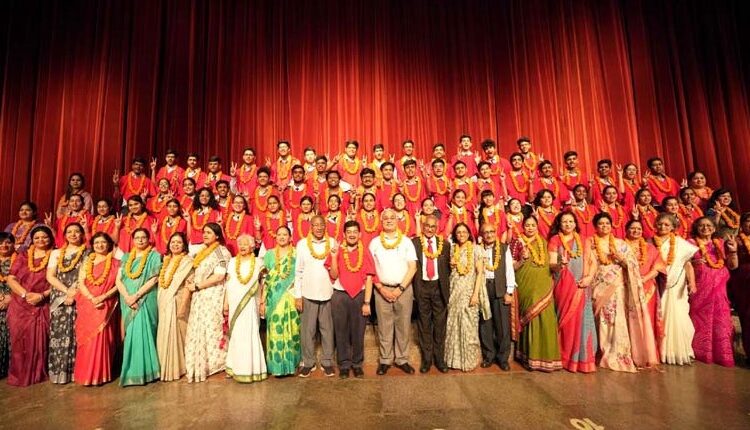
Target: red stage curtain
{"points": [[87, 85]]}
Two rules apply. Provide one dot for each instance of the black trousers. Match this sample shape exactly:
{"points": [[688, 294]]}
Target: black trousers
{"points": [[431, 323], [348, 328], [494, 333]]}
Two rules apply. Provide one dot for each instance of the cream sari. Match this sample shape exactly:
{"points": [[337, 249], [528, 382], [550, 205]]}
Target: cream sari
{"points": [[174, 306]]}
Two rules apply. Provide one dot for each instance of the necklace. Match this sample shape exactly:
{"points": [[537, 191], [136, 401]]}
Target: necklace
{"points": [[529, 156], [314, 254], [604, 259], [277, 267], [166, 274], [551, 181], [579, 246], [141, 264], [413, 198], [238, 263], [20, 239], [470, 192], [466, 268], [155, 207], [714, 264], [571, 173], [582, 212], [659, 240], [12, 258], [91, 281], [61, 267], [642, 247], [537, 255], [283, 173], [369, 228], [617, 211], [395, 245], [360, 258], [438, 251], [514, 222], [732, 219], [294, 203], [205, 252]]}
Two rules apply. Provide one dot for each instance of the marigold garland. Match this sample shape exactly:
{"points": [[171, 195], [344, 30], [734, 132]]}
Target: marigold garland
{"points": [[645, 214], [257, 196], [496, 257], [346, 162], [745, 241], [399, 237], [714, 264], [611, 247], [339, 216], [582, 213], [205, 252], [464, 218], [92, 281], [620, 214], [642, 247], [314, 254], [658, 240], [406, 219], [269, 225], [656, 181], [285, 274], [579, 245], [537, 255], [166, 274], [464, 269], [282, 174], [247, 177], [469, 192], [409, 196], [515, 183], [238, 263], [12, 259], [166, 231], [129, 184], [545, 183], [20, 239], [138, 222], [103, 225], [61, 267], [732, 219], [300, 219], [360, 258], [439, 191], [205, 218], [438, 250], [552, 211], [141, 264], [369, 228]]}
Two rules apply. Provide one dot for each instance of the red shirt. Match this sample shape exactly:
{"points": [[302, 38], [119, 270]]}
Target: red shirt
{"points": [[131, 185], [662, 187], [198, 221], [236, 228], [437, 188], [174, 177], [414, 192], [518, 185], [385, 194], [131, 224], [368, 221], [246, 180], [294, 193], [353, 282], [259, 202], [164, 232], [349, 171]]}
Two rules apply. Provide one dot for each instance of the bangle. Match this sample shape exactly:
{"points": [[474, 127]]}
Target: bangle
{"points": [[366, 302]]}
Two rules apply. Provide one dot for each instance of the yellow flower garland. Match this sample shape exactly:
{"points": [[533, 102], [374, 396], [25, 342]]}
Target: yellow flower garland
{"points": [[203, 254], [61, 267], [360, 258], [238, 262], [464, 269], [314, 254], [438, 251], [396, 244], [30, 260], [141, 265], [166, 273], [91, 281]]}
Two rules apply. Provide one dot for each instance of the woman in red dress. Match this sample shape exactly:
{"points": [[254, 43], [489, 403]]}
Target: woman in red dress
{"points": [[205, 210], [173, 220], [237, 223], [266, 223], [645, 212], [544, 206], [105, 221], [514, 221], [335, 218], [650, 264], [302, 223], [459, 213], [610, 205], [136, 218], [157, 204], [405, 220], [583, 211], [491, 213], [28, 312], [97, 323]]}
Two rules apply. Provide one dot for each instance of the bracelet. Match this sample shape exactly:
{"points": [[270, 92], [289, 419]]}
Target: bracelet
{"points": [[366, 302]]}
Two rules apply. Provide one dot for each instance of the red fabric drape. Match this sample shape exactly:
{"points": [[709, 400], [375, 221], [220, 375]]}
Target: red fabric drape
{"points": [[86, 84]]}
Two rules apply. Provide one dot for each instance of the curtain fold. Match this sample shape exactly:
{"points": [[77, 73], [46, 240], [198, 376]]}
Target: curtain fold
{"points": [[87, 85]]}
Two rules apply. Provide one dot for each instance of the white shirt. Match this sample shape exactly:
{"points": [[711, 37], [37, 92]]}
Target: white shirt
{"points": [[426, 261], [311, 279], [510, 274], [391, 265]]}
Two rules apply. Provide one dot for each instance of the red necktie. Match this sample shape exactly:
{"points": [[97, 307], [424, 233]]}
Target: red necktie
{"points": [[430, 261]]}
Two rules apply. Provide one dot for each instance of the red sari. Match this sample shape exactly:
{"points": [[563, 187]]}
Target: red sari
{"points": [[97, 331], [28, 327]]}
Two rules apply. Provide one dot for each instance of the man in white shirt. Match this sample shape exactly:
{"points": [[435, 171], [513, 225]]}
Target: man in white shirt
{"points": [[395, 264], [494, 333], [313, 283]]}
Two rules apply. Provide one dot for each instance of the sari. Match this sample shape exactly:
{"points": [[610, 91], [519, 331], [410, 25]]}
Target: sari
{"points": [[140, 361], [283, 349], [205, 352], [245, 357], [462, 347], [28, 327], [710, 312], [4, 335], [97, 329], [62, 335], [739, 289], [173, 302], [651, 261], [575, 317], [538, 346], [675, 347]]}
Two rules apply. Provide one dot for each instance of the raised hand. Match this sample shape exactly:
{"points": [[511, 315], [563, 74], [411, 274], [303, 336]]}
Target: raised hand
{"points": [[118, 220], [684, 183], [268, 162], [152, 164], [233, 169], [115, 177], [619, 169], [636, 214], [154, 227], [48, 219], [730, 243], [185, 213]]}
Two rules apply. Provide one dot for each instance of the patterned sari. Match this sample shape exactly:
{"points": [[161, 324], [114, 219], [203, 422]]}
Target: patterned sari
{"points": [[174, 306], [283, 350], [4, 335]]}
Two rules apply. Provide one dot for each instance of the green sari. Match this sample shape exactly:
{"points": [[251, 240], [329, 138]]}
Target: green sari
{"points": [[537, 346], [140, 360], [283, 351]]}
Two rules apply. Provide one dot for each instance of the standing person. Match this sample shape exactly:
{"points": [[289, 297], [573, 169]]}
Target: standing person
{"points": [[467, 302], [204, 351], [412, 187], [27, 220], [571, 175], [518, 176], [62, 274], [245, 361], [709, 305], [302, 222], [651, 265], [237, 223], [105, 221], [8, 256], [603, 180], [135, 282], [739, 284], [466, 155], [135, 183], [244, 177], [280, 307], [97, 322], [348, 164], [312, 283], [545, 211], [577, 329], [205, 210], [136, 218], [193, 170], [546, 180], [675, 346], [658, 182], [644, 211], [170, 171], [431, 291], [530, 159], [28, 311], [282, 167], [295, 191], [395, 264], [76, 184], [172, 222], [173, 299], [537, 347], [697, 184], [583, 211], [368, 218], [352, 267], [722, 213]]}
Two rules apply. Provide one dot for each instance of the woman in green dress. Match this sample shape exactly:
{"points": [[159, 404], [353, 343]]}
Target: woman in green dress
{"points": [[138, 276], [280, 307], [537, 346]]}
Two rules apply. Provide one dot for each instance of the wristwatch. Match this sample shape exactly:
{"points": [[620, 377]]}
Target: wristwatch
{"points": [[23, 296], [402, 288]]}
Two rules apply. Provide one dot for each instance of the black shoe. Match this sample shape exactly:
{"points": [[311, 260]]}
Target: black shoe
{"points": [[504, 366], [383, 368], [486, 363], [443, 368], [328, 370], [344, 373], [358, 372], [406, 367], [425, 367]]}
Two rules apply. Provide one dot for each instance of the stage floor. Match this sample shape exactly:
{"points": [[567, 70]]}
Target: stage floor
{"points": [[692, 397]]}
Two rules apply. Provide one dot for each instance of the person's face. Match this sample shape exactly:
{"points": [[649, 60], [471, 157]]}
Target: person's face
{"points": [[664, 226], [515, 207], [25, 213], [459, 199], [399, 203], [429, 227], [273, 204], [238, 204], [604, 227], [657, 166], [485, 171], [568, 224], [530, 227], [188, 187], [438, 152], [192, 162], [546, 200], [263, 179], [610, 196], [524, 147], [368, 203], [173, 209], [465, 143], [488, 199], [706, 228], [579, 193], [163, 186], [546, 170], [745, 226], [352, 235], [387, 172], [672, 206], [379, 153], [222, 190], [333, 180], [76, 182], [75, 203], [176, 245], [489, 234], [408, 148], [333, 204], [725, 199], [248, 157], [310, 156], [101, 246], [135, 208], [635, 231], [604, 169], [320, 166], [438, 169], [389, 221], [140, 240], [170, 159], [516, 162], [245, 245], [283, 150], [318, 228], [368, 180], [41, 240], [631, 172], [460, 170], [410, 170], [490, 151], [306, 206], [462, 234], [644, 198], [282, 237], [209, 237], [687, 196], [137, 168], [428, 207], [213, 166], [298, 175], [6, 248], [571, 162], [204, 197], [351, 150]]}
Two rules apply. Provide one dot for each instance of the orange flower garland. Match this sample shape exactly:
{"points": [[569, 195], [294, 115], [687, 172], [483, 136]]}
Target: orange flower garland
{"points": [[12, 259], [129, 184], [409, 196], [660, 240], [579, 245], [370, 228], [30, 260], [360, 258], [604, 259], [346, 162], [515, 183], [91, 281], [732, 219], [714, 264], [61, 267], [166, 274], [206, 216], [234, 233], [138, 222], [642, 247], [20, 239]]}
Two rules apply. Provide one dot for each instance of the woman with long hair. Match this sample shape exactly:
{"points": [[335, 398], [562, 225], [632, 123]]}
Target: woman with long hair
{"points": [[76, 185], [21, 229]]}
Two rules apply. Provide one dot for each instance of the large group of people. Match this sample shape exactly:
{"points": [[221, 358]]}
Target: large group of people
{"points": [[172, 275]]}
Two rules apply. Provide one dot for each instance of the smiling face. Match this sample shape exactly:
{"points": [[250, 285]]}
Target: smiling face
{"points": [[74, 235], [672, 206], [610, 195], [698, 180], [546, 170], [604, 170], [192, 162], [333, 203], [399, 202], [462, 234], [530, 227], [603, 227], [333, 179], [514, 207], [273, 204], [429, 227], [568, 223], [177, 245], [408, 149], [389, 220], [351, 150], [135, 207], [368, 202], [368, 180], [245, 244], [140, 240], [688, 196], [644, 198], [188, 187], [460, 170], [248, 157], [298, 175], [580, 194], [657, 167], [75, 203], [222, 190], [163, 186], [310, 156], [352, 235], [635, 231], [318, 227], [410, 170], [705, 228], [41, 240], [238, 204], [170, 159], [546, 200], [378, 153], [283, 149], [524, 146], [100, 246], [204, 197], [571, 162], [173, 209], [631, 172], [263, 179], [465, 143], [516, 162], [387, 172], [282, 237], [306, 206], [438, 152], [459, 199], [6, 248], [485, 171], [664, 226], [725, 199]]}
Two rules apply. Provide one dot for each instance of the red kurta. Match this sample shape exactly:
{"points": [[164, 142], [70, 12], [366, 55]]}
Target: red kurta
{"points": [[349, 170], [414, 191], [131, 224], [369, 226], [165, 231], [173, 175], [437, 188], [517, 183], [67, 220], [246, 180], [198, 221], [131, 185], [662, 187], [236, 228]]}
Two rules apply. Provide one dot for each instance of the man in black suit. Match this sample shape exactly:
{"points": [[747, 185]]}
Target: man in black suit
{"points": [[431, 291], [494, 333]]}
